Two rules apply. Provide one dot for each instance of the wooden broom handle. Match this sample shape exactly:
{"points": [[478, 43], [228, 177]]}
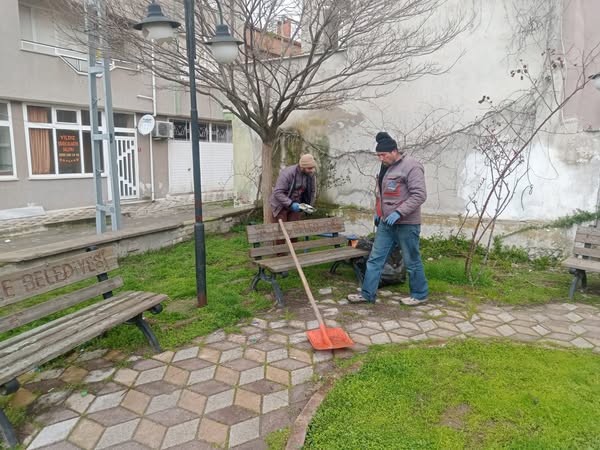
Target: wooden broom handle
{"points": [[301, 272]]}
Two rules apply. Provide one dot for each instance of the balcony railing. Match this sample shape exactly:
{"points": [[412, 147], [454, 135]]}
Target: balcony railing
{"points": [[76, 60]]}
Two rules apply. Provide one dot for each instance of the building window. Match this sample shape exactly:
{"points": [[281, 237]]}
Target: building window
{"points": [[221, 132], [59, 141], [209, 132], [7, 168]]}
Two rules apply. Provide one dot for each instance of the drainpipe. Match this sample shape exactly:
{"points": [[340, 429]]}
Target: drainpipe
{"points": [[153, 99]]}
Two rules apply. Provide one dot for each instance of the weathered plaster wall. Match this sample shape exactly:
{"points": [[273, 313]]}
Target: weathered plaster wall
{"points": [[565, 164]]}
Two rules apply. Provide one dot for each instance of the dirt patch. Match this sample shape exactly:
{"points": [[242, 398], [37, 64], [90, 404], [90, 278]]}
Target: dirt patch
{"points": [[454, 417]]}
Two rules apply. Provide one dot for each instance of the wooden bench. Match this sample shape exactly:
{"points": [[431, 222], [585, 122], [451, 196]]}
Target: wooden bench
{"points": [[586, 256], [319, 242], [33, 347]]}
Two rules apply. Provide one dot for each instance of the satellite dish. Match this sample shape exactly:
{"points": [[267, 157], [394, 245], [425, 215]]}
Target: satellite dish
{"points": [[146, 124]]}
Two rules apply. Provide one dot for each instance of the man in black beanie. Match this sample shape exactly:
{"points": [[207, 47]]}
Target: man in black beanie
{"points": [[400, 193]]}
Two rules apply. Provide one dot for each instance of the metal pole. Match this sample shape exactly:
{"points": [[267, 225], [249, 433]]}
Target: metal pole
{"points": [[115, 217], [91, 18], [200, 247]]}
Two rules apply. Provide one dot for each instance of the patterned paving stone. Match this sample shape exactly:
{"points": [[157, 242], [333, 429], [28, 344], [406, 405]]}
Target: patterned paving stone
{"points": [[198, 376], [192, 364], [53, 433], [118, 434], [170, 417], [106, 401], [220, 400], [181, 433], [150, 433], [274, 401], [581, 343], [55, 415], [146, 364], [213, 432], [227, 375], [192, 402], [506, 330], [152, 375], [465, 327], [125, 376], [157, 388], [248, 400], [86, 434], [244, 432], [78, 402], [112, 416], [209, 354], [165, 357], [506, 317], [232, 415], [573, 317], [163, 402], [381, 338], [136, 401], [186, 353]]}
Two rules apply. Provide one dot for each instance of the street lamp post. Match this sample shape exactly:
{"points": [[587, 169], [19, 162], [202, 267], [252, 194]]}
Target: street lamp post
{"points": [[159, 28], [596, 82]]}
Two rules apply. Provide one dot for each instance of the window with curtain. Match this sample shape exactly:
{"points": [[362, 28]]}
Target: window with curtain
{"points": [[60, 141], [6, 150]]}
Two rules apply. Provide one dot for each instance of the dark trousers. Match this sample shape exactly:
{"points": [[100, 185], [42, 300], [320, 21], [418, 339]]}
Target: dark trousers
{"points": [[286, 215]]}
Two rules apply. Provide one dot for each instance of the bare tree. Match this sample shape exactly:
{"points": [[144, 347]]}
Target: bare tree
{"points": [[335, 50]]}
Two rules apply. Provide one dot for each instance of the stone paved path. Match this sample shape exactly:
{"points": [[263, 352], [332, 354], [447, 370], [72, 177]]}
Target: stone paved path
{"points": [[232, 390]]}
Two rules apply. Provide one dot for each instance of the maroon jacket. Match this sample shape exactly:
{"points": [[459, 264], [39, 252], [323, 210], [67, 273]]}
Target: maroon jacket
{"points": [[404, 191], [286, 192]]}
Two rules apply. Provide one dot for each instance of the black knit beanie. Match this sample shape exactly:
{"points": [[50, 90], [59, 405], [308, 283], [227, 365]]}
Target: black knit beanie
{"points": [[385, 143]]}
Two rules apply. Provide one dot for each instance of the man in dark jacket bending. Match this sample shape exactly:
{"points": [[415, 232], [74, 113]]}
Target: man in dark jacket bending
{"points": [[400, 193], [296, 184]]}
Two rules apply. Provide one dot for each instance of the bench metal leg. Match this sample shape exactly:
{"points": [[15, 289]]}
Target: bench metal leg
{"points": [[8, 432], [334, 266], [272, 280], [355, 267], [147, 331], [357, 271], [255, 280], [578, 275]]}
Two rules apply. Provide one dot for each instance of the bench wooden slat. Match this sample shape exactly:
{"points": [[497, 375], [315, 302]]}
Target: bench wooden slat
{"points": [[65, 301], [582, 264], [26, 283], [586, 238], [53, 330], [301, 245], [271, 232], [283, 263], [81, 329], [587, 251]]}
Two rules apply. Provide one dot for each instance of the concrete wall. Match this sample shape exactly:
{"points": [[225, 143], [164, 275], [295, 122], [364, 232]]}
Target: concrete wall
{"points": [[565, 163], [32, 77]]}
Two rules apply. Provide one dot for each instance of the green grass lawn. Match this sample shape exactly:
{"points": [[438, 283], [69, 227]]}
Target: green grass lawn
{"points": [[467, 394], [508, 278]]}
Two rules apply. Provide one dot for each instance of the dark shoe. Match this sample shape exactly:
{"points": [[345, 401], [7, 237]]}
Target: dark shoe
{"points": [[284, 274]]}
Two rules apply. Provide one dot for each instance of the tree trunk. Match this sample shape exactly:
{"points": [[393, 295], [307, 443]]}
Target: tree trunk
{"points": [[266, 185]]}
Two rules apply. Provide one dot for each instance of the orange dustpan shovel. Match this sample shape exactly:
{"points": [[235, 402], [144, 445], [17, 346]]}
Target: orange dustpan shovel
{"points": [[324, 338]]}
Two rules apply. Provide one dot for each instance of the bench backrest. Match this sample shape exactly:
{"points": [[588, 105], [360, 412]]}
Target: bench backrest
{"points": [[587, 243], [264, 237], [23, 284]]}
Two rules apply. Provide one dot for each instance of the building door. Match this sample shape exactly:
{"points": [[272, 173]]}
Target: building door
{"points": [[216, 164], [127, 162]]}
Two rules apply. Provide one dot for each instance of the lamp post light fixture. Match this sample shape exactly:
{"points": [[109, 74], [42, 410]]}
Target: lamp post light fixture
{"points": [[596, 80], [224, 48]]}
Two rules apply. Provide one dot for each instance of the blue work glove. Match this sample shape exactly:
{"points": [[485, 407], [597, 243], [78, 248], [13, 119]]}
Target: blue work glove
{"points": [[295, 207], [376, 219], [392, 218]]}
